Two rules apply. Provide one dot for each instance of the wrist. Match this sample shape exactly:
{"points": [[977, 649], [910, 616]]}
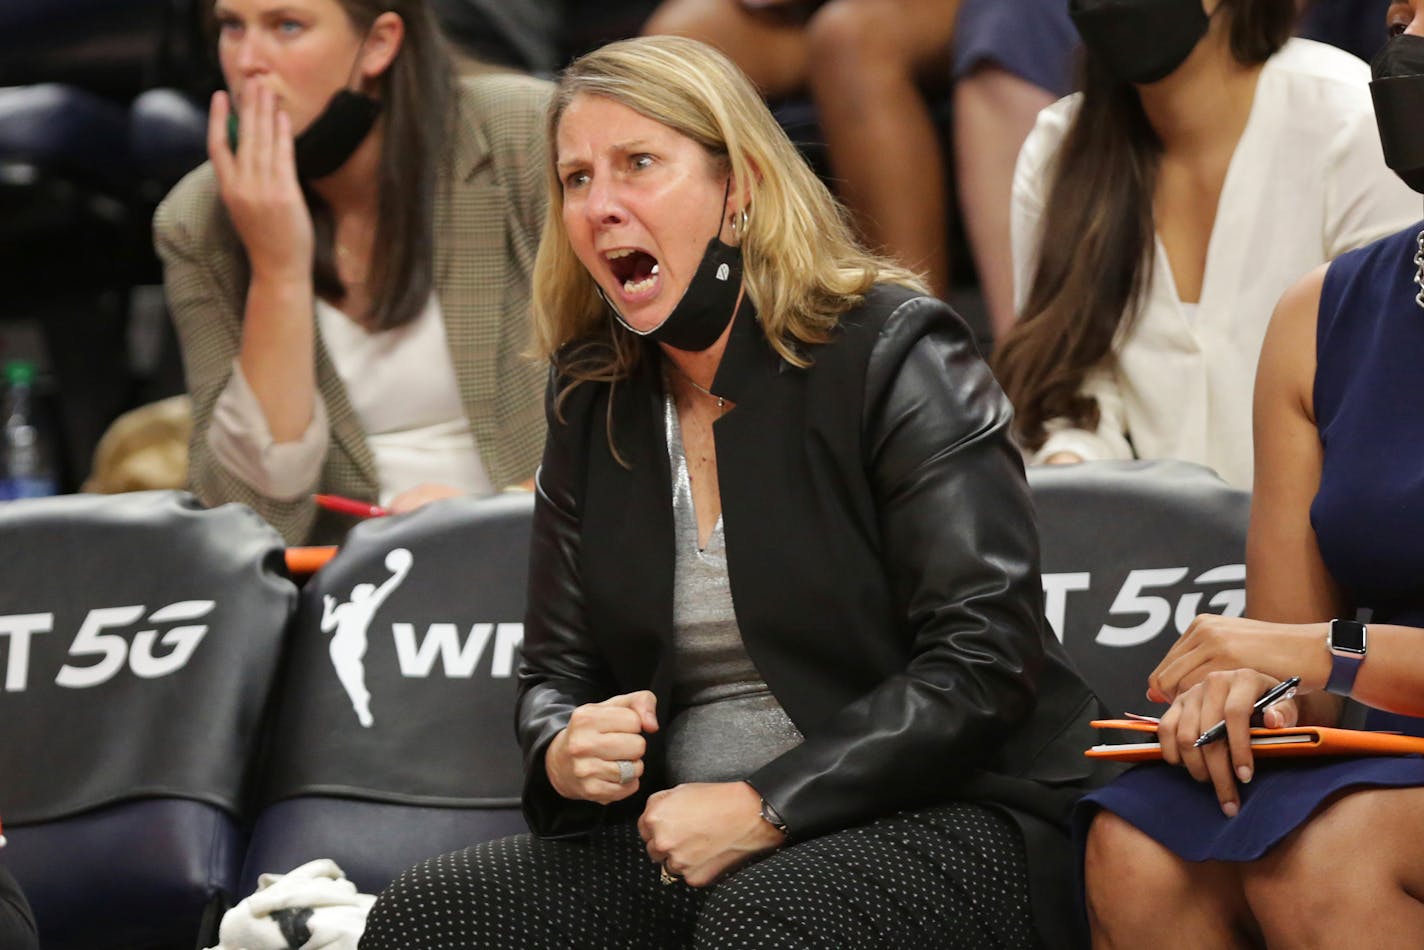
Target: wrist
{"points": [[284, 274], [1316, 673], [1346, 642], [773, 826], [552, 754]]}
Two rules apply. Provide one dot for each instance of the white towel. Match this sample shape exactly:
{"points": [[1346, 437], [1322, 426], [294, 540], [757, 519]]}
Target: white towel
{"points": [[314, 907]]}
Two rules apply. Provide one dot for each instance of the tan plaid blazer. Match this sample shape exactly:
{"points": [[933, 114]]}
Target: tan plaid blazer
{"points": [[487, 232]]}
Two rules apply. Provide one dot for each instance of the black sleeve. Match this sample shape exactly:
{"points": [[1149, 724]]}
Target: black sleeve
{"points": [[561, 668], [960, 547]]}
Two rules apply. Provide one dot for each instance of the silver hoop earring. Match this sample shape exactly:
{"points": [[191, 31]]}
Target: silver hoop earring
{"points": [[739, 223]]}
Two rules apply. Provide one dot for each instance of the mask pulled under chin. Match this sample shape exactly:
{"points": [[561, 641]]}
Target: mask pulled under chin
{"points": [[706, 306], [1140, 41], [1398, 93], [332, 137]]}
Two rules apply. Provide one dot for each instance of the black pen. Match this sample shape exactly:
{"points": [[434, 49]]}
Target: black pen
{"points": [[1282, 690]]}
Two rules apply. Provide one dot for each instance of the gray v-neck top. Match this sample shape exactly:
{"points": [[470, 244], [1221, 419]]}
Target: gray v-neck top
{"points": [[726, 723]]}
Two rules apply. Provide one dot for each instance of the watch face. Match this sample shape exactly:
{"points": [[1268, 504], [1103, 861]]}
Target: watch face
{"points": [[1347, 636]]}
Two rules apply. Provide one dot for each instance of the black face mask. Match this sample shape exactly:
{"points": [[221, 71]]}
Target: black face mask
{"points": [[1398, 91], [1140, 41], [708, 303], [333, 136]]}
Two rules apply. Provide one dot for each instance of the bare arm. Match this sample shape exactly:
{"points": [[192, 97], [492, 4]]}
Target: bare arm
{"points": [[1286, 579]]}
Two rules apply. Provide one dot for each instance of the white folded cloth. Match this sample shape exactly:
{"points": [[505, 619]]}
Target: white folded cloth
{"points": [[313, 907]]}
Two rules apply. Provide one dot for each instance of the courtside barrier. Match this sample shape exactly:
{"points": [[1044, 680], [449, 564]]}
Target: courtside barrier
{"points": [[394, 739], [139, 637], [1132, 551]]}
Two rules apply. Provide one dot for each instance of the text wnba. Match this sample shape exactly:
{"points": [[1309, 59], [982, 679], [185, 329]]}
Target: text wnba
{"points": [[457, 659], [111, 648]]}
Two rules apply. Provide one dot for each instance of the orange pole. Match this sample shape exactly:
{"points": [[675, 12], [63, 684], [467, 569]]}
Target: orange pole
{"points": [[309, 560]]}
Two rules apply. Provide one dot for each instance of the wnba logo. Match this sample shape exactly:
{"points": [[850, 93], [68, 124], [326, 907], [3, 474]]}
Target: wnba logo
{"points": [[351, 621], [443, 649]]}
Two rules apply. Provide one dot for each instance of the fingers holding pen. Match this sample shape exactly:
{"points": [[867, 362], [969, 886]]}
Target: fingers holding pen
{"points": [[1209, 763], [1208, 728], [1227, 762]]}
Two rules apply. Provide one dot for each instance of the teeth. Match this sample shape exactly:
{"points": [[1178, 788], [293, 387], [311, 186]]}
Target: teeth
{"points": [[621, 252], [638, 286], [631, 287]]}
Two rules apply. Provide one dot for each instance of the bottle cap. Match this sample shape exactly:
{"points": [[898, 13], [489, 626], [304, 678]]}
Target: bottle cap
{"points": [[20, 372]]}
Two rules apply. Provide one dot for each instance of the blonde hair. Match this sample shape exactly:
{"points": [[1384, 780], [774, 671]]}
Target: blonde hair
{"points": [[802, 265]]}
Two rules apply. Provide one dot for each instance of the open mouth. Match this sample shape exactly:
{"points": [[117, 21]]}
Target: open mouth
{"points": [[636, 270]]}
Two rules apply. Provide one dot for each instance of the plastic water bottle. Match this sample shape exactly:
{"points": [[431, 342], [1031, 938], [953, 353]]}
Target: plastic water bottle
{"points": [[26, 468]]}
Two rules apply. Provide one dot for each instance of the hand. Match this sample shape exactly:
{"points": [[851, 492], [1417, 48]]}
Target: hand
{"points": [[259, 184], [582, 761], [1211, 643], [1063, 458], [423, 494], [700, 831], [1228, 696]]}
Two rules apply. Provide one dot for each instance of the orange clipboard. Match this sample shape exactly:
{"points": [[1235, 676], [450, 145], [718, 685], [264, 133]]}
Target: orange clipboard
{"points": [[1267, 743]]}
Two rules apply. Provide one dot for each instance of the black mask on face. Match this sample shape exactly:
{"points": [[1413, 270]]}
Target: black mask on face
{"points": [[708, 303], [333, 136], [1140, 41], [1398, 91]]}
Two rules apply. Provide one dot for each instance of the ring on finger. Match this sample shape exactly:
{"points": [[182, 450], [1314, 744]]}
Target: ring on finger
{"points": [[666, 876], [626, 771]]}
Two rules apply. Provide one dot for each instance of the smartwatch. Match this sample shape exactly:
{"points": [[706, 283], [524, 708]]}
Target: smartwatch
{"points": [[1346, 641]]}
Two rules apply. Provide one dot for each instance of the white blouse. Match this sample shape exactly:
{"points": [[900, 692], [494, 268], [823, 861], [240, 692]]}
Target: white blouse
{"points": [[403, 389], [1307, 182]]}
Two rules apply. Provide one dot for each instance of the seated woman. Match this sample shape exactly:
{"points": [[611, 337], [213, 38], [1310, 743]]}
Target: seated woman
{"points": [[785, 655], [1323, 853], [1160, 214], [349, 273]]}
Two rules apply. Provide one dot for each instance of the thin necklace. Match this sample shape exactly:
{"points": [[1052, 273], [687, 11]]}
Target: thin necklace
{"points": [[1418, 270], [721, 400], [343, 254]]}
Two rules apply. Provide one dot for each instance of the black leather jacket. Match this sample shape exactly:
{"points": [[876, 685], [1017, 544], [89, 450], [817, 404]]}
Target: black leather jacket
{"points": [[883, 562]]}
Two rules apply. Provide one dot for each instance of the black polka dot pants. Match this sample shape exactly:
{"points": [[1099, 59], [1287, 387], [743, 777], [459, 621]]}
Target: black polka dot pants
{"points": [[952, 876]]}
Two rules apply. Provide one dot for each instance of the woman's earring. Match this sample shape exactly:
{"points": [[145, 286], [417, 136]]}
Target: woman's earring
{"points": [[739, 223]]}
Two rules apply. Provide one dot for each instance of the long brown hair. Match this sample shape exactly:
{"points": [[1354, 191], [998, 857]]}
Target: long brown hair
{"points": [[417, 103], [1095, 257], [416, 93]]}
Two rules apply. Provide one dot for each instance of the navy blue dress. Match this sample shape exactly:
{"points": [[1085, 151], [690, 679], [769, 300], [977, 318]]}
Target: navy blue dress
{"points": [[1369, 522]]}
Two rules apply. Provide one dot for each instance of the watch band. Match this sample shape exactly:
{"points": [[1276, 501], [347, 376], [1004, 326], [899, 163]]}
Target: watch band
{"points": [[772, 817], [1346, 642]]}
